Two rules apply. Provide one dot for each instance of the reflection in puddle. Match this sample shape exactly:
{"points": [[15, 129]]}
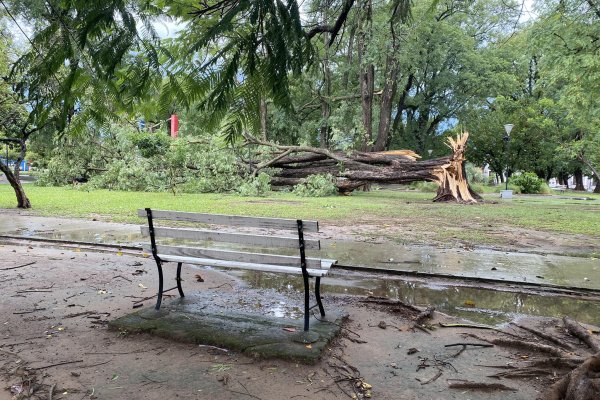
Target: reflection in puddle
{"points": [[475, 304]]}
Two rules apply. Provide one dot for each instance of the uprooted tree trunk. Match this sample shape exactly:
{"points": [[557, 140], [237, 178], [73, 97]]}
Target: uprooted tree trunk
{"points": [[356, 169]]}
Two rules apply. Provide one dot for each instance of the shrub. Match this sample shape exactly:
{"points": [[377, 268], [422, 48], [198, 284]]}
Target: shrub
{"points": [[528, 183], [474, 173], [316, 186], [427, 187], [258, 186]]}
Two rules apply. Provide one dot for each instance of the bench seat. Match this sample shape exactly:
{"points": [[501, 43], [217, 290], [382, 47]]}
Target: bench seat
{"points": [[249, 266]]}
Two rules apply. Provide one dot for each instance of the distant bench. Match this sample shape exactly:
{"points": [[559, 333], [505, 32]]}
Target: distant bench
{"points": [[256, 260], [560, 188]]}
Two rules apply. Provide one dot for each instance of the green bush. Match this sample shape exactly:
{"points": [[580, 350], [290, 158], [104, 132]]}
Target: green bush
{"points": [[528, 183], [258, 186], [427, 187], [477, 187], [474, 173], [316, 186]]}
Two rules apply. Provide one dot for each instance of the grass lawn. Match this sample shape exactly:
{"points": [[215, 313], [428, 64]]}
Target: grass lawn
{"points": [[419, 218]]}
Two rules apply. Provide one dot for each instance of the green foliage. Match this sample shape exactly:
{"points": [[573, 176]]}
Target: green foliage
{"points": [[425, 187], [527, 182], [120, 159], [316, 186], [474, 173], [149, 144], [257, 186]]}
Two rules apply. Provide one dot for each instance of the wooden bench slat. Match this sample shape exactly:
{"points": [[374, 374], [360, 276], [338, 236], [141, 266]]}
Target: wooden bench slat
{"points": [[239, 238], [241, 265], [235, 220], [229, 255]]}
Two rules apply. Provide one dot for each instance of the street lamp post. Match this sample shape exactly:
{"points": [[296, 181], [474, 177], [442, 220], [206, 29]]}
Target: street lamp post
{"points": [[507, 128]]}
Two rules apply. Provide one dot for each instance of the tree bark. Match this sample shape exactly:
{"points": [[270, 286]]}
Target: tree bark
{"points": [[385, 109], [579, 180], [22, 200], [325, 106], [357, 169], [367, 79]]}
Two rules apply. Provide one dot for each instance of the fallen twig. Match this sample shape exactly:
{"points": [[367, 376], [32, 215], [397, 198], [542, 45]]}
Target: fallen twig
{"points": [[464, 347], [80, 314], [55, 365], [479, 385], [122, 277], [389, 302], [29, 312], [18, 266], [467, 326], [220, 286]]}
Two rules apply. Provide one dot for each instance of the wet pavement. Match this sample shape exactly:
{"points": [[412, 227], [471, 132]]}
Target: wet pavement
{"points": [[510, 266], [486, 303]]}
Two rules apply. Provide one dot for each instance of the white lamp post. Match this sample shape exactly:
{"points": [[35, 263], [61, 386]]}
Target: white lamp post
{"points": [[507, 194]]}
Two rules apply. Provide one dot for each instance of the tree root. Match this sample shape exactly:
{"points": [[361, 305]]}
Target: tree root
{"points": [[580, 332], [583, 383], [520, 344], [545, 336]]}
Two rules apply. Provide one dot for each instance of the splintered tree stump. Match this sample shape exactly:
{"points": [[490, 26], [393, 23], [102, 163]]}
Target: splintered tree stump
{"points": [[357, 169]]}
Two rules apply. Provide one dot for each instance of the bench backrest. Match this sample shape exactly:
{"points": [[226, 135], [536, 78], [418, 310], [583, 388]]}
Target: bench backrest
{"points": [[260, 244]]}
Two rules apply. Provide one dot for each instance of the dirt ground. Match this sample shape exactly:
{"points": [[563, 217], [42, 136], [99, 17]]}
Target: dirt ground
{"points": [[54, 341]]}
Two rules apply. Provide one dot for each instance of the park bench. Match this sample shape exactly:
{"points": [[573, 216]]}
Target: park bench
{"points": [[204, 246]]}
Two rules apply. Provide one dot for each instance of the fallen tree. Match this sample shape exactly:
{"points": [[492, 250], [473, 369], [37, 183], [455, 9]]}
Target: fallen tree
{"points": [[356, 169]]}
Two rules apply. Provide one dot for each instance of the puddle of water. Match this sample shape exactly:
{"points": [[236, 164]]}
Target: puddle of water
{"points": [[475, 304], [520, 267]]}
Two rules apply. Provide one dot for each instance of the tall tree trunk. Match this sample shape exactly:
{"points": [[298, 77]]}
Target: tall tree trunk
{"points": [[367, 88], [398, 125], [367, 78], [579, 180], [325, 105], [22, 200], [385, 109], [597, 188]]}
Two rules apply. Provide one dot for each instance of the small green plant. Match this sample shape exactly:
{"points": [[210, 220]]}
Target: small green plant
{"points": [[258, 186], [316, 186], [528, 183]]}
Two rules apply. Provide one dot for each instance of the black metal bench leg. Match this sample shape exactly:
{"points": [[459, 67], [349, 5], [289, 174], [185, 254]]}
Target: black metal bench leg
{"points": [[179, 280], [318, 295], [160, 285], [306, 301]]}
